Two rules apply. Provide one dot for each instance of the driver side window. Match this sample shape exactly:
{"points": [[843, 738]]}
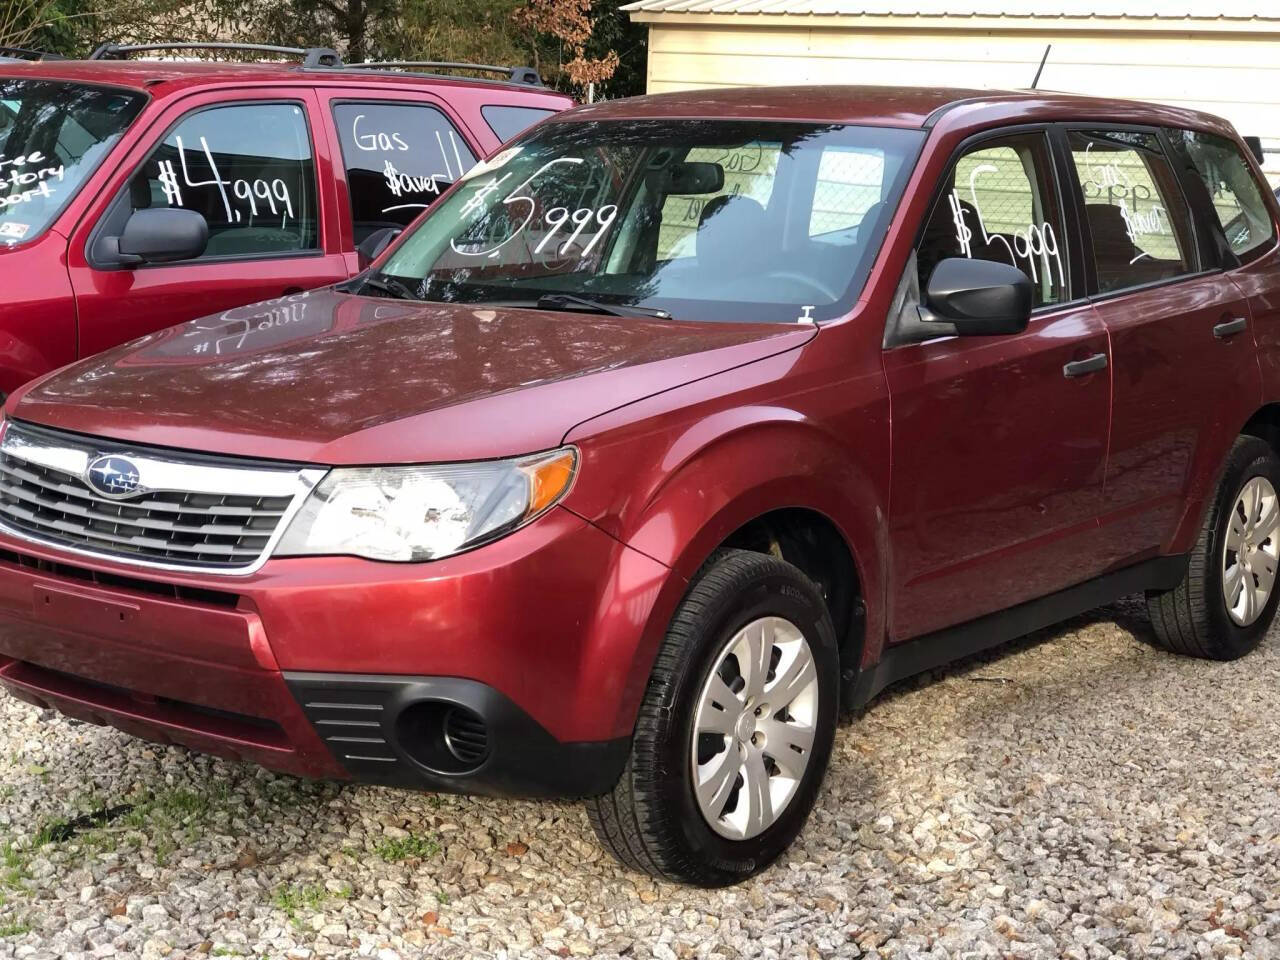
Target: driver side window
{"points": [[1000, 203], [247, 169]]}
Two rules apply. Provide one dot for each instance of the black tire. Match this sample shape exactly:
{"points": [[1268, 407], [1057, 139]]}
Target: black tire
{"points": [[1192, 618], [651, 820]]}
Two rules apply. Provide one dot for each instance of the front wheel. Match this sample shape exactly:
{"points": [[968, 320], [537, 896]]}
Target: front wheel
{"points": [[735, 729], [1227, 599]]}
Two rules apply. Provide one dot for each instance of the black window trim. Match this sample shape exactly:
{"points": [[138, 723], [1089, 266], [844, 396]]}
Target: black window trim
{"points": [[318, 251], [1076, 292], [1094, 295]]}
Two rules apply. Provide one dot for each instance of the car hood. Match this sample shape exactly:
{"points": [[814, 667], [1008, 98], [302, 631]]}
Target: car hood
{"points": [[331, 378]]}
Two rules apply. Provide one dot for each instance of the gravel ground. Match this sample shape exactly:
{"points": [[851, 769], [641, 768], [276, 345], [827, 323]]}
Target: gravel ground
{"points": [[1075, 794]]}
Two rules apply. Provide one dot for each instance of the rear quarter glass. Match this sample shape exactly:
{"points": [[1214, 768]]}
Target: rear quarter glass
{"points": [[508, 122]]}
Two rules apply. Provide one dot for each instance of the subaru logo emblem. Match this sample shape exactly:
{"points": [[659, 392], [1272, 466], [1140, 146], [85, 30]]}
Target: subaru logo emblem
{"points": [[113, 476]]}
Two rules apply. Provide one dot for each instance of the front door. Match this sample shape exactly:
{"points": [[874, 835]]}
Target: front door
{"points": [[249, 167], [998, 443]]}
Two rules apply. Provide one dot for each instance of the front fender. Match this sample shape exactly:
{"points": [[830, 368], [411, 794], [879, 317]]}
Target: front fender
{"points": [[674, 476], [38, 313]]}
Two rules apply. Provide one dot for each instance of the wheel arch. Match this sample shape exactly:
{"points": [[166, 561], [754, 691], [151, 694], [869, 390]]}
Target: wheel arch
{"points": [[811, 541], [1265, 425], [815, 506], [1206, 472]]}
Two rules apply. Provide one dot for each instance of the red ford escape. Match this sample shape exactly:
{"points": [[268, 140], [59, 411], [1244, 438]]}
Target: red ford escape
{"points": [[673, 429], [137, 194]]}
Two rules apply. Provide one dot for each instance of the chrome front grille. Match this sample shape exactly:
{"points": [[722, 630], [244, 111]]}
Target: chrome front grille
{"points": [[190, 512]]}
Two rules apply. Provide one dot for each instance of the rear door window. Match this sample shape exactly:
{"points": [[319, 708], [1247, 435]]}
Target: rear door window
{"points": [[1000, 203], [399, 158], [1237, 197], [247, 169], [1134, 208]]}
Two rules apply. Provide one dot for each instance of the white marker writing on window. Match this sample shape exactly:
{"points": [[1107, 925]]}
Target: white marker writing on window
{"points": [[378, 141], [1034, 243], [273, 195]]}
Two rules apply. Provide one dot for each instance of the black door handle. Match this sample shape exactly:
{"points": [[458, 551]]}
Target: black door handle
{"points": [[1078, 368], [1229, 328]]}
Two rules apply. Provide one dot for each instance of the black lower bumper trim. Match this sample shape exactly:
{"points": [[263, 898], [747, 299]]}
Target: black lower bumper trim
{"points": [[391, 730]]}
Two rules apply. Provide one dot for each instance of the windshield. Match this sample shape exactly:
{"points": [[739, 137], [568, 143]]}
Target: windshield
{"points": [[699, 219], [52, 136]]}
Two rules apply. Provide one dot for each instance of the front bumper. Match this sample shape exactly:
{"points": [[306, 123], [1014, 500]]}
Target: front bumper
{"points": [[518, 657]]}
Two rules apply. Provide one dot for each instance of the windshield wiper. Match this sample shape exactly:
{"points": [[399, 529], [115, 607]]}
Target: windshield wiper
{"points": [[567, 301], [392, 288]]}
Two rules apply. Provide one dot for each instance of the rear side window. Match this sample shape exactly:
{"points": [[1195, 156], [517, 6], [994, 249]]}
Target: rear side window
{"points": [[508, 122], [1237, 198], [1000, 203], [1134, 208], [399, 158], [247, 169]]}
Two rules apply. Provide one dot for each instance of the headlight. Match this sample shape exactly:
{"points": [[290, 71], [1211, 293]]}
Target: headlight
{"points": [[422, 513]]}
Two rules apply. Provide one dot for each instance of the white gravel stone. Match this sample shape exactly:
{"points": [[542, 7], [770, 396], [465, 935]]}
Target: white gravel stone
{"points": [[1110, 799]]}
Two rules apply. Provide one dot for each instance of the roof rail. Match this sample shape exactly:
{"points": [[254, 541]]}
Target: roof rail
{"points": [[22, 53], [525, 75], [311, 56]]}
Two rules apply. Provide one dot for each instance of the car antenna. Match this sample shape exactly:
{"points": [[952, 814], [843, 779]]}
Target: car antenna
{"points": [[1040, 69]]}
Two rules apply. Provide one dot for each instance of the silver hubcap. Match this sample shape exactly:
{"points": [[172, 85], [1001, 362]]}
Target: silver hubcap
{"points": [[754, 729], [1249, 558]]}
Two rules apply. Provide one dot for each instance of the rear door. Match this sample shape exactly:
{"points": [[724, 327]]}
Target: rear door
{"points": [[1244, 225], [248, 162], [395, 153], [1185, 376]]}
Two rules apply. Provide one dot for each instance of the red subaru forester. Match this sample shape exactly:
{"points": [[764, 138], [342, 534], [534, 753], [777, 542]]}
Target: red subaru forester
{"points": [[673, 429]]}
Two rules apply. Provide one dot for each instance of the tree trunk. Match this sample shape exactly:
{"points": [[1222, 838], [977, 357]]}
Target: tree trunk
{"points": [[357, 21]]}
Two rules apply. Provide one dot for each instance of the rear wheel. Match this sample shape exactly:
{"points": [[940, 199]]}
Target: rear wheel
{"points": [[1227, 600], [735, 730]]}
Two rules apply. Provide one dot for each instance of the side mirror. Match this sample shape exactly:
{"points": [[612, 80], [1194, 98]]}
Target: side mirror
{"points": [[161, 235], [372, 246], [976, 298]]}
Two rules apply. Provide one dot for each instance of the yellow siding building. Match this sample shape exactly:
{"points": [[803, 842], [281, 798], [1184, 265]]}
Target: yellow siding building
{"points": [[1223, 57]]}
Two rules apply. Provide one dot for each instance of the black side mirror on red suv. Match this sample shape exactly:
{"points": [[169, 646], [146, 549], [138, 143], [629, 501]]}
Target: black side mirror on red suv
{"points": [[371, 247], [161, 235], [976, 298]]}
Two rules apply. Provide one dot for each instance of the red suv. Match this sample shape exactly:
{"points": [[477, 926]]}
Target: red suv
{"points": [[134, 195], [673, 429]]}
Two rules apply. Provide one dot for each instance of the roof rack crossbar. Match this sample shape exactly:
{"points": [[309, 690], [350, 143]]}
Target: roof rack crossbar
{"points": [[515, 74], [22, 53], [311, 56]]}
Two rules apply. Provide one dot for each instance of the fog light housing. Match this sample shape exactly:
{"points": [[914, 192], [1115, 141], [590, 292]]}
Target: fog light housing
{"points": [[444, 737]]}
